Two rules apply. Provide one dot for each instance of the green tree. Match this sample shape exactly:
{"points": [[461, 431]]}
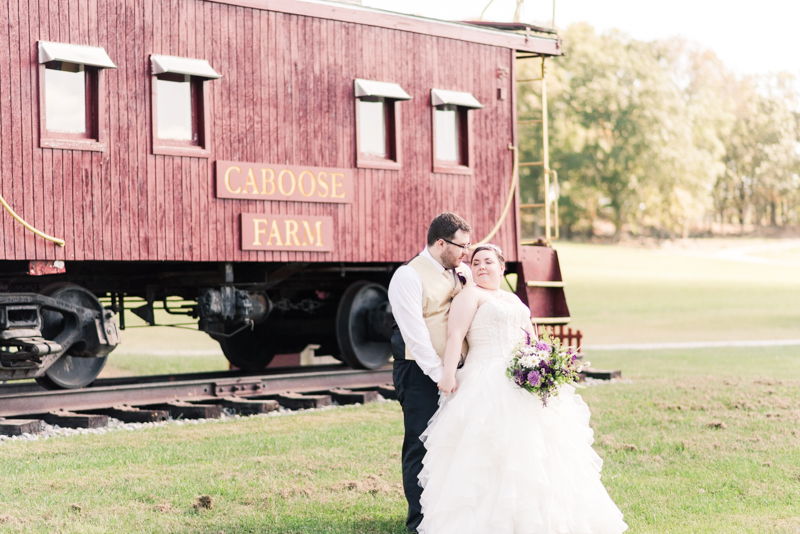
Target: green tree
{"points": [[656, 137]]}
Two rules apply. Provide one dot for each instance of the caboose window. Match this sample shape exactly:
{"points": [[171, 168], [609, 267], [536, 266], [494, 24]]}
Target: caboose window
{"points": [[452, 131], [450, 136], [180, 106], [72, 112], [372, 127], [177, 111], [378, 124], [65, 97]]}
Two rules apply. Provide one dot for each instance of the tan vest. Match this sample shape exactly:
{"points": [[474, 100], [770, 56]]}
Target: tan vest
{"points": [[438, 290]]}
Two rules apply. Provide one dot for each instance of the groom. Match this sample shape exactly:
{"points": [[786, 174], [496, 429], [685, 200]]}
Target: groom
{"points": [[420, 294]]}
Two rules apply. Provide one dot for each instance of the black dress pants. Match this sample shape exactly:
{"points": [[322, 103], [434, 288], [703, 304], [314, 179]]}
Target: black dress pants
{"points": [[419, 397]]}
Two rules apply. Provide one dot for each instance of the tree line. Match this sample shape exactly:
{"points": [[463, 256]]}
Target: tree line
{"points": [[660, 139]]}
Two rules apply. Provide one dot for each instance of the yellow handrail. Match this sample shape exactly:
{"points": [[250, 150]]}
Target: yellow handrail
{"points": [[57, 241], [509, 201]]}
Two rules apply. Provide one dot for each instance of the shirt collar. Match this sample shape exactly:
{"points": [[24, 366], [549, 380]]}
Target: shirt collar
{"points": [[426, 254]]}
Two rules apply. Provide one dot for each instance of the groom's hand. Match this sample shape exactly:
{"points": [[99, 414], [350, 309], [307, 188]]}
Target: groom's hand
{"points": [[447, 384]]}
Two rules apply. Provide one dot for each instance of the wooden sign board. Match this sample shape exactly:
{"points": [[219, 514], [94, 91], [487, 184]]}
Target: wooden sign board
{"points": [[263, 231], [265, 181]]}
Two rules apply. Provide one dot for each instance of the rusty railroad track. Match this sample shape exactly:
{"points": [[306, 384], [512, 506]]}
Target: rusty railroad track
{"points": [[24, 407]]}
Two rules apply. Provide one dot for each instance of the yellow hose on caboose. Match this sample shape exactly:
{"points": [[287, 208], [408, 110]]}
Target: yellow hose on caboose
{"points": [[57, 241], [509, 201]]}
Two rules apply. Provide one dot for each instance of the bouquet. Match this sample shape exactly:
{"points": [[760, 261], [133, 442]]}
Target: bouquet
{"points": [[542, 365]]}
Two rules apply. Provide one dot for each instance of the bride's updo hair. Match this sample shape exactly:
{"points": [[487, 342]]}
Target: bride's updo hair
{"points": [[493, 248]]}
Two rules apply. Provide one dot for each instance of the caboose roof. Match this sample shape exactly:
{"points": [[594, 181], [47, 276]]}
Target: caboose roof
{"points": [[462, 31]]}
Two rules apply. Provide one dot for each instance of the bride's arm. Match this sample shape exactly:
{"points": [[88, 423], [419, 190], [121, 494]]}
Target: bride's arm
{"points": [[528, 326], [462, 311]]}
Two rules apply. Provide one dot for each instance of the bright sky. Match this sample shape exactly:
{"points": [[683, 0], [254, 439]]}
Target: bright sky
{"points": [[750, 37]]}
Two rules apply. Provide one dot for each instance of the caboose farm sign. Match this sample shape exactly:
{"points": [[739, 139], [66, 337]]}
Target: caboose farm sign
{"points": [[261, 231], [264, 181]]}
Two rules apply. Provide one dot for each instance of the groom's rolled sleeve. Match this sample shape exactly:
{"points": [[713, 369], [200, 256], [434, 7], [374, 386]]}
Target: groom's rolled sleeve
{"points": [[405, 296]]}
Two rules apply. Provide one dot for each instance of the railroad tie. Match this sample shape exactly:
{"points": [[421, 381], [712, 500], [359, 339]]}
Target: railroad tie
{"points": [[244, 406], [186, 410], [296, 401], [67, 419], [249, 406], [347, 396], [129, 414], [387, 392], [17, 427], [601, 374]]}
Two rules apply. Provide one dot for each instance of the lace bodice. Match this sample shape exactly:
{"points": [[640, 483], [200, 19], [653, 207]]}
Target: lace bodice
{"points": [[495, 330]]}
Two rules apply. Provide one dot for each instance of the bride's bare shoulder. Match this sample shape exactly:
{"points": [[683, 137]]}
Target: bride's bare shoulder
{"points": [[469, 293]]}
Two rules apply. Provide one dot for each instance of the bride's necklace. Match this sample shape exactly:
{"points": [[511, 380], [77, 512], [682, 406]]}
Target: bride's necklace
{"points": [[494, 292]]}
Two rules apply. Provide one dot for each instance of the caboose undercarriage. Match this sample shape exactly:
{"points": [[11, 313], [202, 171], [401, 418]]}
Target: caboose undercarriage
{"points": [[54, 328]]}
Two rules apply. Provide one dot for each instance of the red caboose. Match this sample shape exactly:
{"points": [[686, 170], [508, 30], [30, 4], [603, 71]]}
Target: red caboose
{"points": [[271, 161]]}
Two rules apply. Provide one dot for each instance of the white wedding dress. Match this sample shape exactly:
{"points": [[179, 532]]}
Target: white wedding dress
{"points": [[497, 462]]}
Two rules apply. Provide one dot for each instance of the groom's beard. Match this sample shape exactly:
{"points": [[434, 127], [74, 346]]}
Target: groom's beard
{"points": [[451, 260]]}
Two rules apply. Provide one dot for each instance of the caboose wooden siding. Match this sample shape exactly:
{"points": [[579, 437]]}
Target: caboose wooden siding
{"points": [[285, 98]]}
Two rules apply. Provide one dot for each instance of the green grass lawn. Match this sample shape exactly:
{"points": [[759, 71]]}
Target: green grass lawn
{"points": [[700, 441], [634, 295]]}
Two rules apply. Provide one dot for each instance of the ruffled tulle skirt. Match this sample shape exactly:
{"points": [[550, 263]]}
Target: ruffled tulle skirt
{"points": [[499, 462]]}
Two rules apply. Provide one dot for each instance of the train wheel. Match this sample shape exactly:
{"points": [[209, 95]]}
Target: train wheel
{"points": [[70, 371], [363, 326], [248, 349]]}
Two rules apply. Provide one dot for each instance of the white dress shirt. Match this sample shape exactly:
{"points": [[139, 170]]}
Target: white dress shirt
{"points": [[405, 297]]}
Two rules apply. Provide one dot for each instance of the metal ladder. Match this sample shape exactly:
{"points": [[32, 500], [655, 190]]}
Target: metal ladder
{"points": [[550, 203]]}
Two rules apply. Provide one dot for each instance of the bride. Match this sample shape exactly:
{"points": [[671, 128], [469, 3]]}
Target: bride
{"points": [[496, 460]]}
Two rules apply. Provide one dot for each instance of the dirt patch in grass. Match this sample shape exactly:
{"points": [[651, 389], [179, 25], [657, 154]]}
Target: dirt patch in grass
{"points": [[370, 484], [204, 502]]}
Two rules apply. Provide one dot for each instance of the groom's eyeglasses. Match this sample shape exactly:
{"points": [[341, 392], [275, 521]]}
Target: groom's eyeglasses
{"points": [[465, 248]]}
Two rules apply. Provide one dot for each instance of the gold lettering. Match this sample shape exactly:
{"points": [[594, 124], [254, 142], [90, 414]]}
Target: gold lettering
{"points": [[310, 235], [300, 183], [322, 184], [228, 179], [336, 184], [291, 232], [259, 231], [268, 182], [274, 232], [251, 180], [280, 182]]}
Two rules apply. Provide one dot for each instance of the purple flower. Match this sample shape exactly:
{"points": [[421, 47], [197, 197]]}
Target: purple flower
{"points": [[574, 357], [461, 278], [534, 378], [542, 345]]}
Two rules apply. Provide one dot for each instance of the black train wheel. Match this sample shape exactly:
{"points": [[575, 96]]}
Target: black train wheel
{"points": [[249, 350], [363, 326], [253, 349], [69, 371]]}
